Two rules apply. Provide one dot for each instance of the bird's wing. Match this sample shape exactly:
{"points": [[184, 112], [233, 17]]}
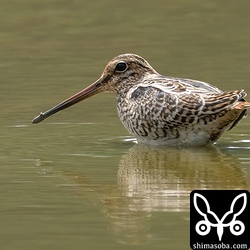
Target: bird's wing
{"points": [[176, 104], [179, 85], [193, 94]]}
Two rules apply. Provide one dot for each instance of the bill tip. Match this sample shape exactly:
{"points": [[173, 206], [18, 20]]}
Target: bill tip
{"points": [[38, 118]]}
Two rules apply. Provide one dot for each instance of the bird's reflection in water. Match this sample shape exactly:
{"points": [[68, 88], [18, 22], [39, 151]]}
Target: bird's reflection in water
{"points": [[160, 179]]}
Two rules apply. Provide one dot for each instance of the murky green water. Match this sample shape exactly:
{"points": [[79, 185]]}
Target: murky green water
{"points": [[78, 180]]}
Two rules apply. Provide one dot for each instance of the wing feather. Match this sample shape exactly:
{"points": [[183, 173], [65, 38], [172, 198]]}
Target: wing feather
{"points": [[178, 85], [174, 106]]}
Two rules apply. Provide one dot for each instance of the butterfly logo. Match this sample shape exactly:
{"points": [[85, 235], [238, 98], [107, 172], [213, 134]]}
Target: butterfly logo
{"points": [[210, 219]]}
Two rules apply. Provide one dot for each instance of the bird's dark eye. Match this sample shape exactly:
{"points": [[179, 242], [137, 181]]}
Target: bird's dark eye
{"points": [[121, 67]]}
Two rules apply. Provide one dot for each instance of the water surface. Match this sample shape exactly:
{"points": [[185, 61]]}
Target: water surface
{"points": [[78, 180]]}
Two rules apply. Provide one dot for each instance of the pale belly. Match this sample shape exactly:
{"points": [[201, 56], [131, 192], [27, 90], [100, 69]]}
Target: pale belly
{"points": [[199, 138]]}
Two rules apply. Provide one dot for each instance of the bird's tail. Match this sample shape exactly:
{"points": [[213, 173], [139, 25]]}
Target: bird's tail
{"points": [[241, 104]]}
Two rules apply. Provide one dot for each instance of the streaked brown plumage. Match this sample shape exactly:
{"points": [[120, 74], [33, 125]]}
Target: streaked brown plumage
{"points": [[160, 110]]}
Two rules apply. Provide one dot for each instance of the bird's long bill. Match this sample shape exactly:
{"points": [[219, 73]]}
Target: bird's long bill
{"points": [[91, 90]]}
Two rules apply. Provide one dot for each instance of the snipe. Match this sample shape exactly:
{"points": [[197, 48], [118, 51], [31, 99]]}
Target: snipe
{"points": [[161, 110]]}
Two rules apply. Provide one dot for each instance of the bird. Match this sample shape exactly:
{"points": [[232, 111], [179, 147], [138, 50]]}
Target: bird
{"points": [[162, 110]]}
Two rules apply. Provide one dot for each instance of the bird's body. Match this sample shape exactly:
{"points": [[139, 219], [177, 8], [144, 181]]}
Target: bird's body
{"points": [[160, 110], [172, 111]]}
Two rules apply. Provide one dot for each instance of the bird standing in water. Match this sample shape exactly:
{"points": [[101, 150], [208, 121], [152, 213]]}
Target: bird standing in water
{"points": [[161, 110]]}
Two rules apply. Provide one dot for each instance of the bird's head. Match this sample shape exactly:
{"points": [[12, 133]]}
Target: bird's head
{"points": [[120, 74]]}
